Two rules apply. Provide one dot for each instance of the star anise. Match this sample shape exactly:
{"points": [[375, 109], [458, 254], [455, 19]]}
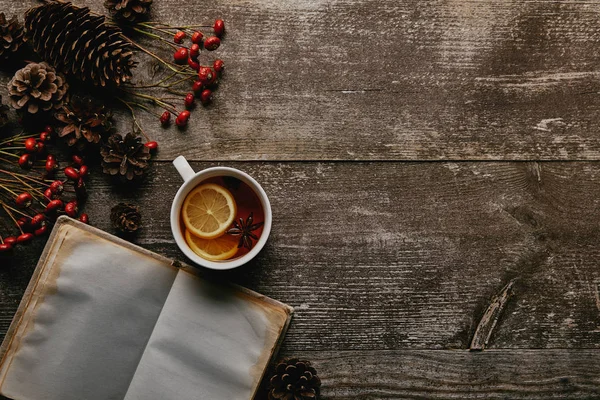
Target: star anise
{"points": [[245, 230]]}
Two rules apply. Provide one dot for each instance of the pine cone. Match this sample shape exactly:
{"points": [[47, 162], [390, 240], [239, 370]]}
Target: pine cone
{"points": [[128, 10], [84, 118], [11, 36], [126, 217], [294, 379], [126, 157], [37, 87], [80, 44]]}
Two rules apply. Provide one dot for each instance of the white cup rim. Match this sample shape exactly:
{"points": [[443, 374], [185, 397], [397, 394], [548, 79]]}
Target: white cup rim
{"points": [[191, 183]]}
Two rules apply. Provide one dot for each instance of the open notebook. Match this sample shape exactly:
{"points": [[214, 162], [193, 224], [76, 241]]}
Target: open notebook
{"points": [[103, 319]]}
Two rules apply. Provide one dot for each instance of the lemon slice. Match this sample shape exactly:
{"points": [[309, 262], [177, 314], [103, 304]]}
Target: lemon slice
{"points": [[222, 248], [208, 211]]}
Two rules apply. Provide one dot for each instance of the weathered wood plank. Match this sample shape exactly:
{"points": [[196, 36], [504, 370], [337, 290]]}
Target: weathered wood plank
{"points": [[405, 255], [438, 374], [393, 80]]}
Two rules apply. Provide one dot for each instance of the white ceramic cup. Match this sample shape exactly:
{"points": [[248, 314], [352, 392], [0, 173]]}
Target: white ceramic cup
{"points": [[191, 180]]}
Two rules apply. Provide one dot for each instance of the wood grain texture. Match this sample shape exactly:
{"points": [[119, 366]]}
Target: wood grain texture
{"points": [[378, 256], [392, 80]]}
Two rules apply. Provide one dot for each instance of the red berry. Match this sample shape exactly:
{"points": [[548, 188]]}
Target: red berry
{"points": [[5, 247], [30, 145], [84, 218], [205, 75], [83, 171], [206, 96], [41, 231], [152, 145], [212, 43], [179, 36], [10, 240], [41, 147], [57, 187], [77, 160], [51, 166], [37, 220], [53, 206], [197, 86], [218, 65], [72, 173], [24, 238], [219, 27], [197, 37], [24, 200], [189, 100], [48, 129], [182, 118], [194, 50], [181, 56], [195, 65], [50, 157], [48, 194], [165, 118], [71, 209], [45, 136], [25, 161], [23, 222]]}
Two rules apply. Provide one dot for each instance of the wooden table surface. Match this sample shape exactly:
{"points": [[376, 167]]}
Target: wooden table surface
{"points": [[434, 177]]}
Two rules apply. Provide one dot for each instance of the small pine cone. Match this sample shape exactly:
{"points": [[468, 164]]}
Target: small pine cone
{"points": [[128, 10], [294, 379], [84, 118], [126, 217], [126, 157], [11, 36], [80, 44], [37, 87]]}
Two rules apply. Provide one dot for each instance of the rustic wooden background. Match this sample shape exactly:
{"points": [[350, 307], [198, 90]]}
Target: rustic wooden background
{"points": [[420, 156]]}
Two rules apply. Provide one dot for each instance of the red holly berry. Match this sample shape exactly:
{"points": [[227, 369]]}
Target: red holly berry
{"points": [[72, 173], [24, 200], [48, 195], [179, 36], [5, 247], [219, 27], [205, 75], [77, 160], [182, 118], [71, 209], [54, 206], [37, 220], [218, 65], [24, 238], [11, 240], [48, 129], [25, 161], [152, 145], [197, 86], [45, 136], [212, 43], [23, 223], [51, 166], [41, 147], [206, 96], [41, 231], [194, 50], [30, 145], [165, 118], [195, 65], [84, 218], [197, 37], [56, 187], [189, 100], [83, 171], [181, 56]]}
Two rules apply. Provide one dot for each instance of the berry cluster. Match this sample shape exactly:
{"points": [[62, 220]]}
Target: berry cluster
{"points": [[35, 197]]}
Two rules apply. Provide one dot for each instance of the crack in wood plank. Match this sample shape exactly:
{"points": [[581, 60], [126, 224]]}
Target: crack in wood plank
{"points": [[490, 318]]}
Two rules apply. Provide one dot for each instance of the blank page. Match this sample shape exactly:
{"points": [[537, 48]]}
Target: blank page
{"points": [[211, 342], [90, 317]]}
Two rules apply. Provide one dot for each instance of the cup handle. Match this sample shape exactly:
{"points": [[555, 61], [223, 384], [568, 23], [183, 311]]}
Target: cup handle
{"points": [[184, 168]]}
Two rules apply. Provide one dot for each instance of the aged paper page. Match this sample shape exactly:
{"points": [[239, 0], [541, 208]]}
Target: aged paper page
{"points": [[211, 342], [91, 316]]}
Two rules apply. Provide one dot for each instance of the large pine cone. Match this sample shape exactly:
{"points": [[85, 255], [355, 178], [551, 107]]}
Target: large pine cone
{"points": [[37, 87], [128, 10], [11, 36], [125, 157], [126, 217], [294, 379], [80, 44], [85, 118]]}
